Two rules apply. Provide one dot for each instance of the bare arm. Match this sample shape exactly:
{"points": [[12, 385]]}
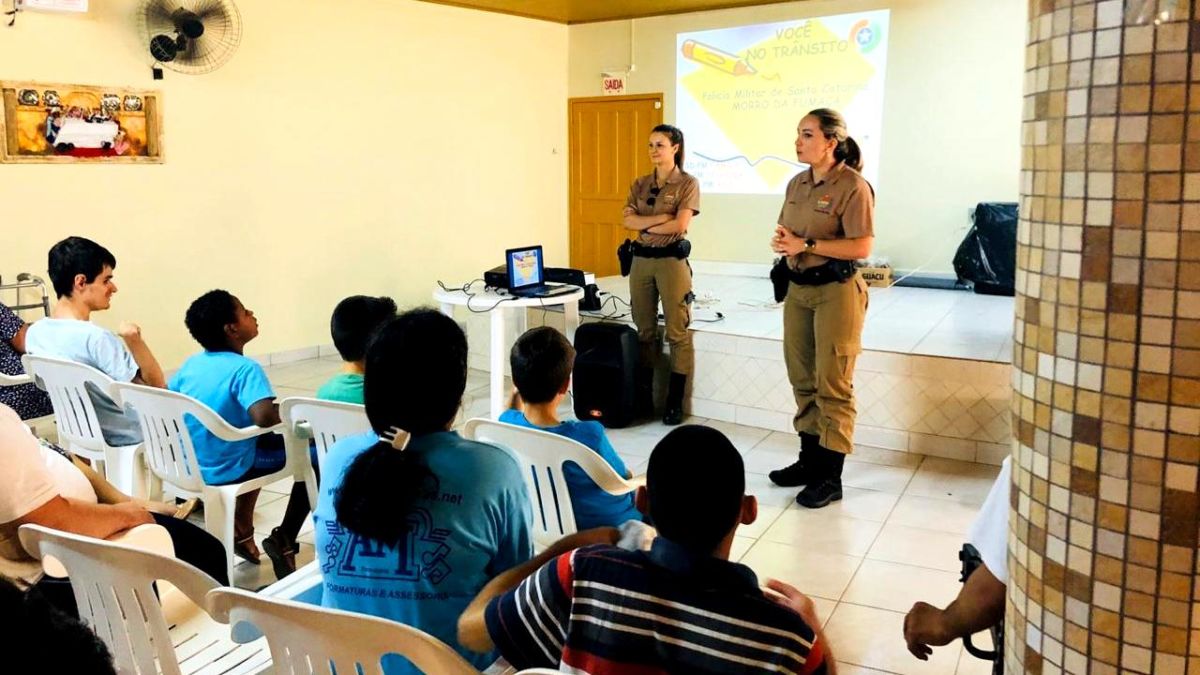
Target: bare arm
{"points": [[18, 340], [265, 413], [472, 626], [632, 221], [92, 520], [677, 225], [149, 372], [980, 604]]}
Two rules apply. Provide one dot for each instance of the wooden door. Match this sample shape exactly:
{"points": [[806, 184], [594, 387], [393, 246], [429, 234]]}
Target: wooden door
{"points": [[607, 151]]}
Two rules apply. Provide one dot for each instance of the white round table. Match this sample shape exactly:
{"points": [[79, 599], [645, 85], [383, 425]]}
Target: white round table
{"points": [[497, 305]]}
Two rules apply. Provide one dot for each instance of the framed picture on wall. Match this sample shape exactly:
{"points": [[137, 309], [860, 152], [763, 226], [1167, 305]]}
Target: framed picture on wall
{"points": [[70, 123]]}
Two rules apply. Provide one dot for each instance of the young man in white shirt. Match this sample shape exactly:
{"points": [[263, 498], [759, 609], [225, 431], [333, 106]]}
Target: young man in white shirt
{"points": [[82, 273]]}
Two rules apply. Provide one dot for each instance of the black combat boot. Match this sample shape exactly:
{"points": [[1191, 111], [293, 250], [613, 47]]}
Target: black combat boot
{"points": [[826, 481], [797, 474], [673, 413]]}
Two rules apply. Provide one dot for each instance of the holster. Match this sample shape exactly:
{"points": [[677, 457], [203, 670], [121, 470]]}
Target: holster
{"points": [[625, 256]]}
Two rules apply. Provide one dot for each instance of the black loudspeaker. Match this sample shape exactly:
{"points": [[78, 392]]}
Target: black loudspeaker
{"points": [[606, 357]]}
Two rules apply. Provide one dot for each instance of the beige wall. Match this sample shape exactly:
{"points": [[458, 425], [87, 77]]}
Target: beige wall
{"points": [[357, 146], [951, 129]]}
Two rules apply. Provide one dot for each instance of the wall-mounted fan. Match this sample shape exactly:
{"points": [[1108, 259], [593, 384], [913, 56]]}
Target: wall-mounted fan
{"points": [[190, 36]]}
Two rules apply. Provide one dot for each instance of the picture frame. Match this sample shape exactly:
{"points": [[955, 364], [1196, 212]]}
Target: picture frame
{"points": [[49, 123]]}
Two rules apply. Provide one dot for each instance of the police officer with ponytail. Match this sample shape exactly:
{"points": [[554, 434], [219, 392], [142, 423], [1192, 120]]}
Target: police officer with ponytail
{"points": [[659, 209], [826, 223]]}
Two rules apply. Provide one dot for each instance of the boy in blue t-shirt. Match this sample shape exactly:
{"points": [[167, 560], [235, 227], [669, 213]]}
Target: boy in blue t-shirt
{"points": [[237, 389], [542, 360], [353, 322]]}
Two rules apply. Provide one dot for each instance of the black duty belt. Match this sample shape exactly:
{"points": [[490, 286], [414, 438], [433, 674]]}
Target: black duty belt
{"points": [[680, 249], [834, 270]]}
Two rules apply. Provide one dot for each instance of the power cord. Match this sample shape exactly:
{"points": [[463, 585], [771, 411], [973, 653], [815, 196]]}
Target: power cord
{"points": [[466, 290]]}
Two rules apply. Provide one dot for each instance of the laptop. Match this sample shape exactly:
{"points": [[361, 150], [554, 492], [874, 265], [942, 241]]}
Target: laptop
{"points": [[527, 274]]}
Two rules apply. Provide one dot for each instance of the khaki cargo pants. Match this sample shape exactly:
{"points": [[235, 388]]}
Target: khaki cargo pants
{"points": [[822, 338], [670, 279]]}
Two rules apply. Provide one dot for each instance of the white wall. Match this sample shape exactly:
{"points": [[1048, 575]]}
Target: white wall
{"points": [[951, 134], [357, 146]]}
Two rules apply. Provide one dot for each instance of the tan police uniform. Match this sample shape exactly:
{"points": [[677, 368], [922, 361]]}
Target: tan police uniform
{"points": [[668, 278], [822, 325]]}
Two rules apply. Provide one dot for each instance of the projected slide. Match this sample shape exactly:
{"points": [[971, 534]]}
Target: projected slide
{"points": [[741, 91]]}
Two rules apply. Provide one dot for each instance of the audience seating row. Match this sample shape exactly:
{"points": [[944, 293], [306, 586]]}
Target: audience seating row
{"points": [[120, 602]]}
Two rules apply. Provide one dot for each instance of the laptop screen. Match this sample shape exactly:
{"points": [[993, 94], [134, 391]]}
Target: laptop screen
{"points": [[525, 267]]}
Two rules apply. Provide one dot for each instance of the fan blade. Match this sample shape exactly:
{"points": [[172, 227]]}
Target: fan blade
{"points": [[208, 8], [189, 53], [158, 16]]}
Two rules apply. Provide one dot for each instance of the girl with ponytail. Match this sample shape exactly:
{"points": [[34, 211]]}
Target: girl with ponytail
{"points": [[412, 520], [826, 223]]}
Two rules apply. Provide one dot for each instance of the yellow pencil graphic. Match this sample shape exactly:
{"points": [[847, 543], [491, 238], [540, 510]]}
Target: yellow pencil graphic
{"points": [[711, 56]]}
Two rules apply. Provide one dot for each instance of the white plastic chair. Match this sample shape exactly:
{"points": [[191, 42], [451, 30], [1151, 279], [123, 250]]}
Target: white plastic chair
{"points": [[113, 587], [323, 422], [78, 427], [307, 639], [171, 456], [542, 455], [14, 380]]}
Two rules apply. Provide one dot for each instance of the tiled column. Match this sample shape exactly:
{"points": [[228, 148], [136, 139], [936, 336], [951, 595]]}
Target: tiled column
{"points": [[1107, 361]]}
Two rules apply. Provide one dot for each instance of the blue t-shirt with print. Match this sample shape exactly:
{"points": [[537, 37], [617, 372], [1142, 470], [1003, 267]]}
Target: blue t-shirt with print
{"points": [[472, 524], [593, 507], [229, 383]]}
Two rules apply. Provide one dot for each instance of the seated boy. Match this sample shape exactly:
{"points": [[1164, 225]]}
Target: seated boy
{"points": [[82, 273], [237, 389], [542, 361], [354, 321]]}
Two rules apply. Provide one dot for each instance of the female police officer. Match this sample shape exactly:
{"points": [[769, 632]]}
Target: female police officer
{"points": [[826, 223], [660, 208]]}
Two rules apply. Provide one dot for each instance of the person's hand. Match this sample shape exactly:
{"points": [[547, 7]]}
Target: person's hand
{"points": [[129, 331], [789, 596], [785, 242], [922, 628], [135, 514], [515, 402]]}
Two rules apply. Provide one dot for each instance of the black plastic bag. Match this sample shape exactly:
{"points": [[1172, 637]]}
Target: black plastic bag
{"points": [[987, 256]]}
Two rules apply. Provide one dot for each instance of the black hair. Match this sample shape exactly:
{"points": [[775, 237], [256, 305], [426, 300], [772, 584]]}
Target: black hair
{"points": [[833, 125], [415, 375], [207, 317], [541, 361], [76, 255], [676, 137], [42, 638], [695, 482], [354, 320]]}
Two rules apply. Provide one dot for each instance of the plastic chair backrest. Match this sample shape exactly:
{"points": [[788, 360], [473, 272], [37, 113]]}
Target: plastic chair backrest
{"points": [[169, 450], [542, 455], [325, 422], [309, 639], [66, 382], [114, 589]]}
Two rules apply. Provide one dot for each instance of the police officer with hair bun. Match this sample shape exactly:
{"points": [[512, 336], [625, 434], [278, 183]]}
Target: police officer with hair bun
{"points": [[826, 223], [659, 209]]}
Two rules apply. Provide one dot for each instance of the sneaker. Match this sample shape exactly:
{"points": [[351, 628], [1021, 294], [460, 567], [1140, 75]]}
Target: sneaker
{"points": [[281, 553], [793, 475], [819, 494]]}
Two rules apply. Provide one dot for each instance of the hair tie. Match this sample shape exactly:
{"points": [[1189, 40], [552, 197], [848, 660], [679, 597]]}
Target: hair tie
{"points": [[396, 437]]}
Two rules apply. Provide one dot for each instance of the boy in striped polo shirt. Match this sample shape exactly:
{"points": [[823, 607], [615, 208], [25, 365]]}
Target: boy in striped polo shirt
{"points": [[682, 606]]}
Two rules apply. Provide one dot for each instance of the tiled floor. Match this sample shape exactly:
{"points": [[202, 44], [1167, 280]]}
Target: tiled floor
{"points": [[892, 540]]}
